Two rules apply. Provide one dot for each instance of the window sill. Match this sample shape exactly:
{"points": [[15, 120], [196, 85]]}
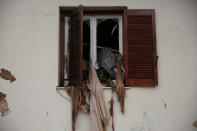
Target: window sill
{"points": [[62, 87]]}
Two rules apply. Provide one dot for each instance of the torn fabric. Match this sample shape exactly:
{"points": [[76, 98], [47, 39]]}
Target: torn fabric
{"points": [[99, 116], [120, 89], [78, 102]]}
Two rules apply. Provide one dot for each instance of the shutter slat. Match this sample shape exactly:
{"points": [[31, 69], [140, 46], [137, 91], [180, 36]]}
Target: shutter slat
{"points": [[140, 48], [75, 47]]}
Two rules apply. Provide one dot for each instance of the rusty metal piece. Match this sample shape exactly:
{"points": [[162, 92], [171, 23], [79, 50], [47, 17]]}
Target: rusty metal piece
{"points": [[7, 75], [110, 83]]}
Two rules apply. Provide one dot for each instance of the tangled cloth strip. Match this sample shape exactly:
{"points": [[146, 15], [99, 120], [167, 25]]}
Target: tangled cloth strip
{"points": [[99, 116], [120, 89]]}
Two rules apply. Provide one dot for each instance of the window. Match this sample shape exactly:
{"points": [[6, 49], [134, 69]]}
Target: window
{"points": [[133, 34]]}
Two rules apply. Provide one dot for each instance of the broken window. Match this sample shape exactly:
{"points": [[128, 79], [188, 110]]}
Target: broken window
{"points": [[104, 31], [101, 42], [107, 33], [86, 39], [107, 30]]}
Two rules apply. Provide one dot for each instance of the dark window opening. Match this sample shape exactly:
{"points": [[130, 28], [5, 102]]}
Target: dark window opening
{"points": [[86, 40], [86, 48], [107, 39], [107, 47], [108, 33]]}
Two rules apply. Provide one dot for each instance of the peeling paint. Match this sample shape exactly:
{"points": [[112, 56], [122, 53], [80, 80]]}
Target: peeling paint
{"points": [[7, 75], [195, 124], [3, 104]]}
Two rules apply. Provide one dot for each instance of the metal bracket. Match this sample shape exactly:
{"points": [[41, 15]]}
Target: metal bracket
{"points": [[157, 57]]}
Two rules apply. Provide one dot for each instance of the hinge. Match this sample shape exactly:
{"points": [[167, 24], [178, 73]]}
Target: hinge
{"points": [[157, 57]]}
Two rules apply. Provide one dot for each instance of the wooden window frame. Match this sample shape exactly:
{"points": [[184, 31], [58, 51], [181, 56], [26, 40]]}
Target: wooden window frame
{"points": [[65, 11]]}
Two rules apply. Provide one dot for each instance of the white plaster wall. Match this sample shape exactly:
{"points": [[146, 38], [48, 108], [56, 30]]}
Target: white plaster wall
{"points": [[29, 49]]}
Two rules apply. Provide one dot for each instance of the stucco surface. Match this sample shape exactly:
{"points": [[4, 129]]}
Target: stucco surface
{"points": [[29, 49]]}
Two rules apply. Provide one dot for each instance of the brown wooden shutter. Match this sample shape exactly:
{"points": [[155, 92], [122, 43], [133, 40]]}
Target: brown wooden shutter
{"points": [[75, 47], [140, 48]]}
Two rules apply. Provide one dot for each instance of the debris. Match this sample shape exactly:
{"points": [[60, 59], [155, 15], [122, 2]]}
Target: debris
{"points": [[107, 60], [3, 104], [7, 75], [103, 75], [98, 113], [120, 89], [110, 84]]}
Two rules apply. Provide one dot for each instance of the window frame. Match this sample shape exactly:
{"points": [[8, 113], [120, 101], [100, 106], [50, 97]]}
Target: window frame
{"points": [[88, 10]]}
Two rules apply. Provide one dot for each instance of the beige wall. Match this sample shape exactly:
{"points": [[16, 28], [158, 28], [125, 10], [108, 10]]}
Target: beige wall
{"points": [[29, 48]]}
